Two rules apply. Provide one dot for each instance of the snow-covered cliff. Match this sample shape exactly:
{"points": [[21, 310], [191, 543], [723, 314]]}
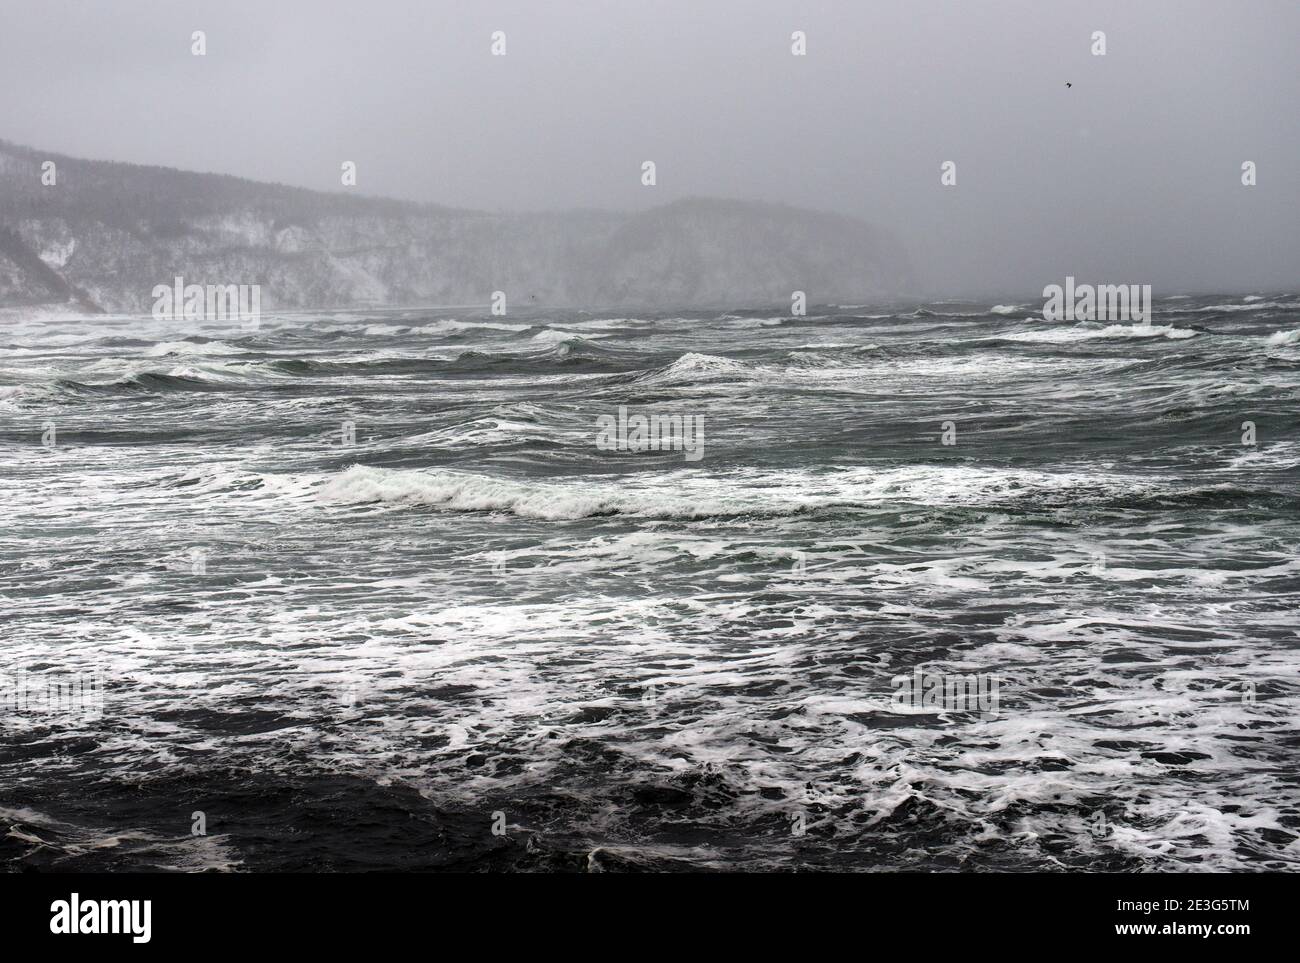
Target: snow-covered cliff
{"points": [[105, 234]]}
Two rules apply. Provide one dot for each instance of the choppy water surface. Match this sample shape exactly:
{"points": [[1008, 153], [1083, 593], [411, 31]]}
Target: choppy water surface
{"points": [[353, 655]]}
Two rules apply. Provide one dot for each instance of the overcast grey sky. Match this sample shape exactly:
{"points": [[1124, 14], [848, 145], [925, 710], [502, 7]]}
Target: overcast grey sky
{"points": [[1133, 174]]}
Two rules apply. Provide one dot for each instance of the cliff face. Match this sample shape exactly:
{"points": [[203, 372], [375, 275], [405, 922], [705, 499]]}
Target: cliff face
{"points": [[106, 233]]}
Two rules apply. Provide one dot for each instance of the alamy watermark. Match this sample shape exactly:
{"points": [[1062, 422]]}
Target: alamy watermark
{"points": [[74, 916], [624, 432], [74, 695], [1101, 302], [208, 302], [933, 692]]}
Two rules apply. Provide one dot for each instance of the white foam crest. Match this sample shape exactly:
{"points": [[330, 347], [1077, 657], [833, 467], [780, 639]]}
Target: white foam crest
{"points": [[212, 348], [614, 323], [557, 336], [694, 366], [1080, 333], [694, 495], [1146, 331], [1282, 454], [452, 326], [13, 396], [466, 492], [480, 431], [1255, 306], [183, 853]]}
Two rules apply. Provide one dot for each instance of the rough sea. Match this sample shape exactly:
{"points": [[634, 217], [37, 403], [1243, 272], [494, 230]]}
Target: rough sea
{"points": [[359, 590]]}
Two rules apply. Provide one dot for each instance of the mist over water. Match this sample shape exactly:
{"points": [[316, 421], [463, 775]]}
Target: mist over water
{"points": [[1132, 174], [358, 581]]}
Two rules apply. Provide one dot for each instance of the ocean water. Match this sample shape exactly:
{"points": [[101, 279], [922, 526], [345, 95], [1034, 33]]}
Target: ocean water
{"points": [[360, 590]]}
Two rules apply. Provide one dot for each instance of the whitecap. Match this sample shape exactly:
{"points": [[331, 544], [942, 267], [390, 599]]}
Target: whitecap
{"points": [[1080, 333], [164, 348], [1256, 306]]}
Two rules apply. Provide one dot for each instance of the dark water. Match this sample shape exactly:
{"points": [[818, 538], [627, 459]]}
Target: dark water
{"points": [[369, 655]]}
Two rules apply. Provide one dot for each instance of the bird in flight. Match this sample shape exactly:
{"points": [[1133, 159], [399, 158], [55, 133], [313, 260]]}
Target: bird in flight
{"points": [[1068, 84]]}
